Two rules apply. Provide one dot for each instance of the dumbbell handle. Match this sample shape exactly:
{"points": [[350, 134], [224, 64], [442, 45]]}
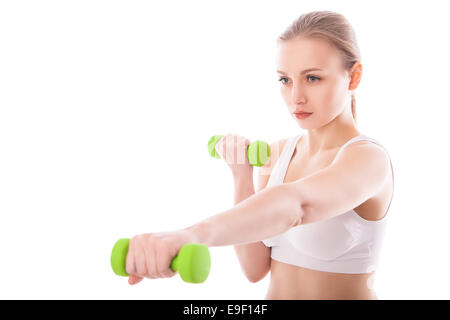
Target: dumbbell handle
{"points": [[258, 151], [192, 261]]}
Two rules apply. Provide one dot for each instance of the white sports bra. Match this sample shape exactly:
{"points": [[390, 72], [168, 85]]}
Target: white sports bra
{"points": [[346, 243]]}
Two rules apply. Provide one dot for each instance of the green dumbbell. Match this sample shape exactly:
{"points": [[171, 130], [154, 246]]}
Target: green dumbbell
{"points": [[258, 151], [192, 262]]}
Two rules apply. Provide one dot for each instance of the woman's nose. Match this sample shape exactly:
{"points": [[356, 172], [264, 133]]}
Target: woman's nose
{"points": [[298, 94]]}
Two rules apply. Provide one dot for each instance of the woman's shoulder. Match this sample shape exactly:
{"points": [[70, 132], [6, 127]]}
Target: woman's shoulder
{"points": [[278, 145]]}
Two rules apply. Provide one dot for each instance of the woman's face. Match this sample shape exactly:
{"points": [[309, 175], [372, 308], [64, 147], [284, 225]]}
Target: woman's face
{"points": [[323, 92]]}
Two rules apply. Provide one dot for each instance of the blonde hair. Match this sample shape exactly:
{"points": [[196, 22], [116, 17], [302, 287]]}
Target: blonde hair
{"points": [[332, 27]]}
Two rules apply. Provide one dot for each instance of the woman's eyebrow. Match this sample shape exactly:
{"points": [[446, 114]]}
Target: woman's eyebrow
{"points": [[304, 71]]}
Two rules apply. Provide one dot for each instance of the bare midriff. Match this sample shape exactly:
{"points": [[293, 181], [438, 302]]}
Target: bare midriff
{"points": [[289, 282]]}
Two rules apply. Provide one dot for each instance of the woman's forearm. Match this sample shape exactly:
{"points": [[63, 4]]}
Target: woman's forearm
{"points": [[253, 257], [265, 214], [243, 188]]}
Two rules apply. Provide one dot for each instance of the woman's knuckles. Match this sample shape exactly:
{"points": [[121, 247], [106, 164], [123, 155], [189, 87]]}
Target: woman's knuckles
{"points": [[150, 255]]}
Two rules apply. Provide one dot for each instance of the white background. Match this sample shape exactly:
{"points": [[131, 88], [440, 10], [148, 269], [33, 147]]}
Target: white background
{"points": [[106, 108]]}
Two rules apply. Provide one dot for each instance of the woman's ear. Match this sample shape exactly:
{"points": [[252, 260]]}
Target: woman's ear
{"points": [[355, 75]]}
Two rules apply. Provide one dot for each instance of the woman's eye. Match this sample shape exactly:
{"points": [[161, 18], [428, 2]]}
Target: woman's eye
{"points": [[313, 77], [281, 79]]}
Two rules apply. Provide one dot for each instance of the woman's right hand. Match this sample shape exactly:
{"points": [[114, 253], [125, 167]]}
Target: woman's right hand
{"points": [[233, 149]]}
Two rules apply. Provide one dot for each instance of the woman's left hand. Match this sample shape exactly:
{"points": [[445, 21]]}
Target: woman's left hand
{"points": [[150, 254]]}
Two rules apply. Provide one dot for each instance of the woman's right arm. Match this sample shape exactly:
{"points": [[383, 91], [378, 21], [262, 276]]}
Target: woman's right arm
{"points": [[254, 257]]}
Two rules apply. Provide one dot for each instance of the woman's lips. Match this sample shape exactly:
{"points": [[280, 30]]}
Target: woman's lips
{"points": [[302, 115]]}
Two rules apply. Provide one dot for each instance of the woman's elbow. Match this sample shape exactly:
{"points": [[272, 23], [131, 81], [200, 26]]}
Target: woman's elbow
{"points": [[256, 277]]}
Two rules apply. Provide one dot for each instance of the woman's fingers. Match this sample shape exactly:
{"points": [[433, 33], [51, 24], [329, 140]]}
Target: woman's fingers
{"points": [[163, 262], [150, 255], [233, 149], [149, 250], [130, 266], [141, 264], [134, 279]]}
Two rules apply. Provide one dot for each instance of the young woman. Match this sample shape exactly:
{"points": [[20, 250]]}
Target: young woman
{"points": [[318, 216]]}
